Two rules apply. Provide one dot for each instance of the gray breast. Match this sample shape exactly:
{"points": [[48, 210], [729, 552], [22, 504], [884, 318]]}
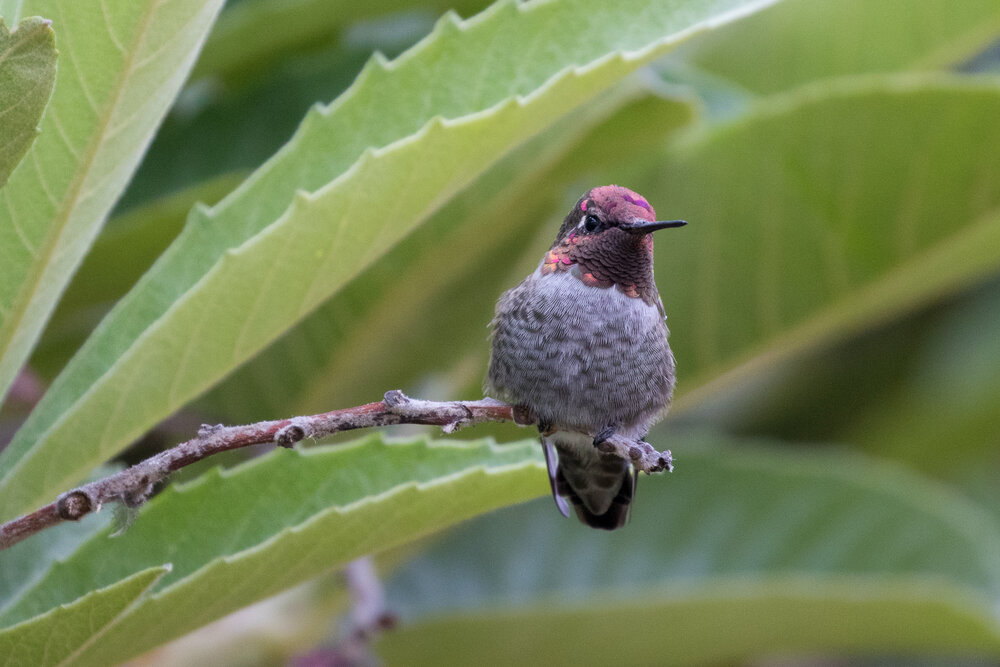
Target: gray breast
{"points": [[583, 357]]}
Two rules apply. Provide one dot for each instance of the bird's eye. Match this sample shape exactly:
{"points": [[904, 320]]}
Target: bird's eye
{"points": [[590, 223]]}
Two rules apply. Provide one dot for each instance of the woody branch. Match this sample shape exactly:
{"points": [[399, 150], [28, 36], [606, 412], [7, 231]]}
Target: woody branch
{"points": [[134, 485]]}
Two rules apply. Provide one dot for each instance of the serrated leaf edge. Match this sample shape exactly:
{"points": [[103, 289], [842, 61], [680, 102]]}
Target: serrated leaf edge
{"points": [[161, 571]]}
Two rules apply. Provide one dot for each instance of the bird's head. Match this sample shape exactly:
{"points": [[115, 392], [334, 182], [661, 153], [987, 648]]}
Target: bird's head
{"points": [[612, 209]]}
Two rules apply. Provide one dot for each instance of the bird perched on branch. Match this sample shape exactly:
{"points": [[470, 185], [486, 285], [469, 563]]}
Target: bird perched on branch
{"points": [[581, 343]]}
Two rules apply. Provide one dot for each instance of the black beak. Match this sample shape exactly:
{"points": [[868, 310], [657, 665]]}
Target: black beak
{"points": [[645, 226]]}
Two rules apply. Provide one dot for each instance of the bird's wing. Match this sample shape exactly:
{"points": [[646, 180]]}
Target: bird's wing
{"points": [[552, 463]]}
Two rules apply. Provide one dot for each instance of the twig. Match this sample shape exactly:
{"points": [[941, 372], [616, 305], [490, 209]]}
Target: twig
{"points": [[133, 486], [368, 619], [642, 454]]}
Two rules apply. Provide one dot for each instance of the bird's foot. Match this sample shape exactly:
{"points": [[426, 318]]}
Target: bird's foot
{"points": [[642, 455], [524, 416], [603, 437]]}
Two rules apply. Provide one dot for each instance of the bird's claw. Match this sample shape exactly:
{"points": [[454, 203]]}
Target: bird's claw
{"points": [[604, 436]]}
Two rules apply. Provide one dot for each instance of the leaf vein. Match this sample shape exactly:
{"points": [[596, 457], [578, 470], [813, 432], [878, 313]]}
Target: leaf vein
{"points": [[61, 131], [184, 360], [42, 181], [20, 232], [23, 100], [111, 32], [67, 43], [177, 35]]}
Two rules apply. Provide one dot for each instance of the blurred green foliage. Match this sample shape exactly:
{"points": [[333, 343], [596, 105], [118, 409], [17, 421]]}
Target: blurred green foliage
{"points": [[834, 307]]}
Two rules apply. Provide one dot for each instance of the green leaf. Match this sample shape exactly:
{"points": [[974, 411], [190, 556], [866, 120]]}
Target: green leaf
{"points": [[950, 396], [27, 74], [10, 10], [254, 33], [260, 105], [355, 179], [196, 142], [745, 551], [800, 41], [26, 562], [127, 246], [275, 631], [238, 536], [726, 622], [120, 67], [825, 211], [59, 635]]}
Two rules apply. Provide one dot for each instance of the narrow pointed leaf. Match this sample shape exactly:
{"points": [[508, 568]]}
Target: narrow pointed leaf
{"points": [[23, 564], [27, 74], [355, 179], [120, 67], [128, 245], [57, 636], [239, 536]]}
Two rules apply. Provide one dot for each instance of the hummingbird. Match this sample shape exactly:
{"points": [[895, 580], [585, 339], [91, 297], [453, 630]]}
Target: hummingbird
{"points": [[581, 344]]}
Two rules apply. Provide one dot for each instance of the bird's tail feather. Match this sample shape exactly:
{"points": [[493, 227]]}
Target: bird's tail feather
{"points": [[600, 487]]}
